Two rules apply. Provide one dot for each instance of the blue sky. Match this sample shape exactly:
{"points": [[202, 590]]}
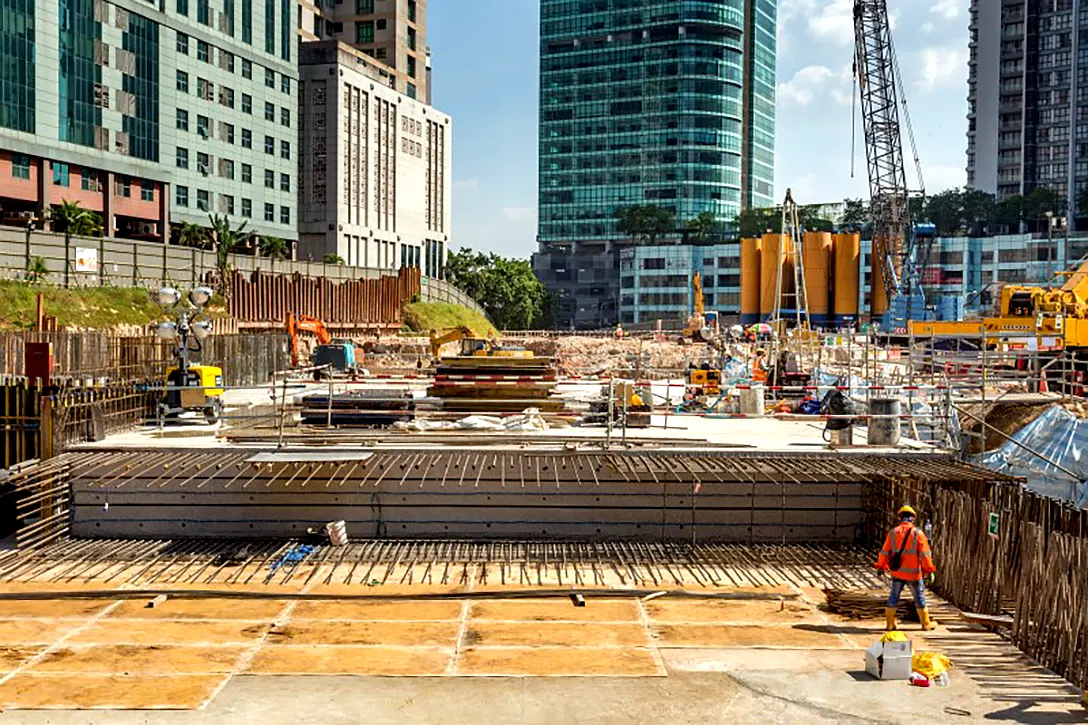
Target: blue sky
{"points": [[486, 77]]}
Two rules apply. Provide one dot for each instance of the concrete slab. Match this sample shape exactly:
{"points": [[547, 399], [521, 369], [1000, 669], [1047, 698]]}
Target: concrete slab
{"points": [[711, 635], [581, 634], [429, 634], [704, 610], [557, 610], [161, 632], [350, 660]]}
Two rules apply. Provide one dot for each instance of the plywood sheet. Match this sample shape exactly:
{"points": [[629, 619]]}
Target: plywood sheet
{"points": [[37, 690], [710, 610], [140, 659], [379, 610], [34, 631], [710, 635], [349, 660], [249, 609], [545, 610], [11, 656], [154, 631], [586, 634], [513, 661], [434, 634]]}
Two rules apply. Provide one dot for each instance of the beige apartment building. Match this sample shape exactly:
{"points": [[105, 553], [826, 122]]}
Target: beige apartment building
{"points": [[374, 165], [393, 32]]}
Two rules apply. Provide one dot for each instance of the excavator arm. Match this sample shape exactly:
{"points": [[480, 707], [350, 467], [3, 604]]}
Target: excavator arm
{"points": [[454, 334], [304, 323]]}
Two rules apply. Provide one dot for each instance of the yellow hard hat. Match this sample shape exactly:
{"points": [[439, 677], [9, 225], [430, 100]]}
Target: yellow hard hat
{"points": [[907, 510]]}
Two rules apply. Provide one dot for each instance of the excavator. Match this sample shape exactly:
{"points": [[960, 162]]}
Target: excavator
{"points": [[698, 327], [473, 346], [339, 355]]}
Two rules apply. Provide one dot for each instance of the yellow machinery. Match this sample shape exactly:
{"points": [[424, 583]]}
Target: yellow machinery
{"points": [[705, 380], [200, 389], [472, 346], [696, 327], [1056, 318]]}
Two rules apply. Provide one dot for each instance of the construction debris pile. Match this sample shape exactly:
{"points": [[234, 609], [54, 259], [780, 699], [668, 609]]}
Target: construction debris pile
{"points": [[495, 384]]}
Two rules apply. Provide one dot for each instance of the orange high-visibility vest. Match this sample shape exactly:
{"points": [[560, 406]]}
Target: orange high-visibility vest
{"points": [[759, 375], [917, 559]]}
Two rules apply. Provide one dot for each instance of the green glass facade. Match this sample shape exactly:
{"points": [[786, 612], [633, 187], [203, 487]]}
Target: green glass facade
{"points": [[663, 102], [79, 116], [142, 39], [17, 65]]}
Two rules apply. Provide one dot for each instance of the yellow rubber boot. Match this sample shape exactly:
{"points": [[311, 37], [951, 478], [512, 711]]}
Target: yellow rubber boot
{"points": [[927, 623], [889, 616]]}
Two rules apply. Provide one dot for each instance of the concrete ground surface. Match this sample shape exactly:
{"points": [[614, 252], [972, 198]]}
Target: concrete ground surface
{"points": [[195, 661]]}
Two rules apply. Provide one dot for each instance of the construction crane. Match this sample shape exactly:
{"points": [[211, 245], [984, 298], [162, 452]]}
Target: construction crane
{"points": [[876, 71]]}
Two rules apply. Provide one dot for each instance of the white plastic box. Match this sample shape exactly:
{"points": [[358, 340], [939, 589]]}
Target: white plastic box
{"points": [[889, 660]]}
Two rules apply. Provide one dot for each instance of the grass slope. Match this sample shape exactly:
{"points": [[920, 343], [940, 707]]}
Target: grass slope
{"points": [[426, 316], [84, 307]]}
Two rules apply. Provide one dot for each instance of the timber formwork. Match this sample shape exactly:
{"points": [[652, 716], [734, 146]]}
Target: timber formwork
{"points": [[471, 494]]}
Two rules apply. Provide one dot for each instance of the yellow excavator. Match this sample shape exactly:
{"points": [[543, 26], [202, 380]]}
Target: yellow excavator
{"points": [[473, 346], [699, 327]]}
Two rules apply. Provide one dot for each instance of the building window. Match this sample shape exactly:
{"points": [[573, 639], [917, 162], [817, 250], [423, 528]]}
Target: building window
{"points": [[228, 203], [269, 213], [285, 84], [182, 44], [60, 174], [203, 15], [182, 122], [202, 51], [285, 149], [203, 126], [379, 53], [269, 112], [228, 10], [285, 215], [285, 117], [247, 69], [247, 174], [147, 191], [269, 145], [411, 67], [203, 163], [182, 158], [181, 196], [269, 78], [411, 90], [412, 38], [247, 103], [247, 208], [380, 25], [247, 22], [364, 31], [183, 7], [122, 187], [89, 180], [228, 132], [228, 169], [247, 138], [205, 89], [364, 7], [203, 200], [285, 182], [412, 10], [269, 179], [226, 97], [20, 166], [183, 81]]}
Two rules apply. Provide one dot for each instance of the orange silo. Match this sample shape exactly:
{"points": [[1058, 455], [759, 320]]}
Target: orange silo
{"points": [[776, 251], [750, 273], [846, 249], [878, 296], [816, 256]]}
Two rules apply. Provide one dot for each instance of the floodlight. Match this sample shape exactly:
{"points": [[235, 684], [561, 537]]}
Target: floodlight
{"points": [[167, 330], [168, 297], [201, 329], [200, 296]]}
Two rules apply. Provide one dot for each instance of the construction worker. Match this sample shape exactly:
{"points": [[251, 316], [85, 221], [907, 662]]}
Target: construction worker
{"points": [[759, 372], [907, 557]]}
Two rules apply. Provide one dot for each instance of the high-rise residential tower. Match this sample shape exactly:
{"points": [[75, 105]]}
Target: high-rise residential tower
{"points": [[646, 102], [393, 32], [1027, 125], [150, 113]]}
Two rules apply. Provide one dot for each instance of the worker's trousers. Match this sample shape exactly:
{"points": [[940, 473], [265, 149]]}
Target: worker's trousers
{"points": [[917, 588]]}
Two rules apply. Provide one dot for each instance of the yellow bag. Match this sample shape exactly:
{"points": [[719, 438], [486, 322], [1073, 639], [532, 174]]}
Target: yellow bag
{"points": [[930, 664], [894, 636]]}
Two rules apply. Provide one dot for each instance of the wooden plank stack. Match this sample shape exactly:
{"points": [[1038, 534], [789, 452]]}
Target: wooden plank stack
{"points": [[493, 384]]}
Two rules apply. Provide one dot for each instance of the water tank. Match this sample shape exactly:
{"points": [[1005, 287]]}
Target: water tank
{"points": [[750, 272], [816, 256], [769, 284], [878, 299], [846, 250]]}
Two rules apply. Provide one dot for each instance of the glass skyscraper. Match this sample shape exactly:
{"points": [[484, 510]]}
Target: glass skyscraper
{"points": [[662, 102]]}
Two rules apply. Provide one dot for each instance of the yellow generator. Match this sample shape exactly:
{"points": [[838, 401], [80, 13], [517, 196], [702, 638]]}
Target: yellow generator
{"points": [[705, 380], [199, 389]]}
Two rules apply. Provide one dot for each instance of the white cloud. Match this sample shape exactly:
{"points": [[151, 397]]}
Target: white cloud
{"points": [[519, 213], [835, 22], [942, 68], [948, 9], [802, 88], [927, 27], [466, 184]]}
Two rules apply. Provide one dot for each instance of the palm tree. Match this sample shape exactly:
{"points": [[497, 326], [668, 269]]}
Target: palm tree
{"points": [[191, 235], [71, 218], [702, 226], [333, 258], [37, 270], [274, 247], [225, 240]]}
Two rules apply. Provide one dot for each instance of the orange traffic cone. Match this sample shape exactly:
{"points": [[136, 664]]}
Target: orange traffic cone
{"points": [[1043, 387]]}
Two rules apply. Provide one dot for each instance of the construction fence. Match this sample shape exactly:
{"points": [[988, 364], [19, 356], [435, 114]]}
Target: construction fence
{"points": [[100, 261]]}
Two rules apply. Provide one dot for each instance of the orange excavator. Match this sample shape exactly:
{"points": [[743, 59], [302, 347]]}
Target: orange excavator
{"points": [[339, 355]]}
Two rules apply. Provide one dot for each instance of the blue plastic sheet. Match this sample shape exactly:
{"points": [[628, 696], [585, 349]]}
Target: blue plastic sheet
{"points": [[1059, 436]]}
